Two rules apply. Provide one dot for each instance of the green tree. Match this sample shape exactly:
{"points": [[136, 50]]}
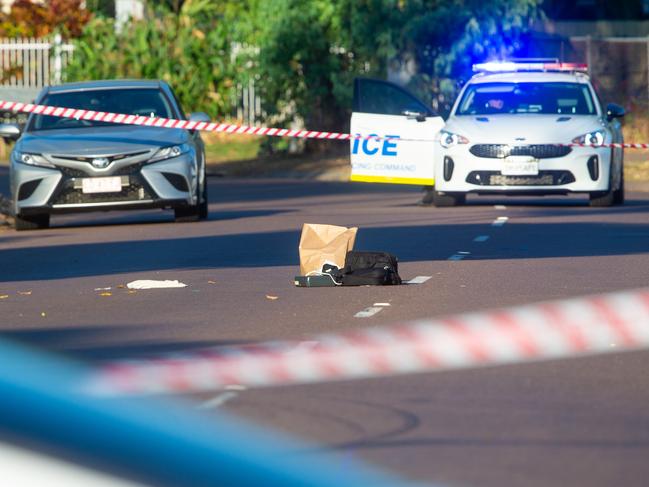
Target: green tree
{"points": [[191, 51], [310, 50]]}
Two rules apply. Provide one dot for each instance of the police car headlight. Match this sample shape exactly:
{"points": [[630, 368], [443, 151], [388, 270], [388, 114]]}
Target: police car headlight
{"points": [[32, 159], [449, 139], [169, 152], [595, 138]]}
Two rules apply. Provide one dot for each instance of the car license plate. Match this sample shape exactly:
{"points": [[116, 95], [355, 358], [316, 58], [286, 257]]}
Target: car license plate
{"points": [[101, 185], [520, 166]]}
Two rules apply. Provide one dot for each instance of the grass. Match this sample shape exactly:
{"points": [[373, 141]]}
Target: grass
{"points": [[221, 148]]}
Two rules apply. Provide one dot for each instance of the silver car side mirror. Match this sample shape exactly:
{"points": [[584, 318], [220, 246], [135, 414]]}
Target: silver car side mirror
{"points": [[199, 117], [10, 131]]}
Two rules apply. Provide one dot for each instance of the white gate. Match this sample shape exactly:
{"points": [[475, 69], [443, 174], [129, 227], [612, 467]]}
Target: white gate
{"points": [[32, 63]]}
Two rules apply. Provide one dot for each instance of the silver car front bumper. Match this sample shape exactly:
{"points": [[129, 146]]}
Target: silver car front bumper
{"points": [[168, 183]]}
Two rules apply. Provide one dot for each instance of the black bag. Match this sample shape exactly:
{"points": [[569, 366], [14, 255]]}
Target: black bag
{"points": [[370, 269]]}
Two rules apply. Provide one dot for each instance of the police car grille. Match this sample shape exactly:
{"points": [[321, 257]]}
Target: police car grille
{"points": [[538, 151], [543, 178]]}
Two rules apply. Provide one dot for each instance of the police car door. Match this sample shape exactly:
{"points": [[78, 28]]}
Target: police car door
{"points": [[383, 109]]}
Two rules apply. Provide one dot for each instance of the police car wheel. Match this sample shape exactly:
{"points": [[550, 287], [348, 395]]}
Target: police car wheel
{"points": [[186, 214], [618, 194], [31, 222], [441, 199], [603, 198]]}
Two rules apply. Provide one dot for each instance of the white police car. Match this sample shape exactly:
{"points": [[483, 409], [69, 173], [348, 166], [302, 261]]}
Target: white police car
{"points": [[510, 132]]}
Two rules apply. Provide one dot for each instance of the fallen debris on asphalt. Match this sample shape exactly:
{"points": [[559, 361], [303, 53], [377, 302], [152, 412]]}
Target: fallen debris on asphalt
{"points": [[151, 284]]}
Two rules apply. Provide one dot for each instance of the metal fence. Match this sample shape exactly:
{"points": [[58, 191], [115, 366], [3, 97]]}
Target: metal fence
{"points": [[27, 65]]}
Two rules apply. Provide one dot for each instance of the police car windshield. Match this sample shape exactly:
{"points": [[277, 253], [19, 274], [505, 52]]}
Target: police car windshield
{"points": [[147, 102], [515, 98]]}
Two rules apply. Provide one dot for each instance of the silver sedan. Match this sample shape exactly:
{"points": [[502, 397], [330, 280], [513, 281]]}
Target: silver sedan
{"points": [[63, 165]]}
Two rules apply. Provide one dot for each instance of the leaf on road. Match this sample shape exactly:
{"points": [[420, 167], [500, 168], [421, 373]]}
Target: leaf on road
{"points": [[106, 294], [272, 298], [24, 293], [211, 282], [4, 296]]}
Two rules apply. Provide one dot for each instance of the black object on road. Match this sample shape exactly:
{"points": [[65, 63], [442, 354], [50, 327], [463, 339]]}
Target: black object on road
{"points": [[370, 269]]}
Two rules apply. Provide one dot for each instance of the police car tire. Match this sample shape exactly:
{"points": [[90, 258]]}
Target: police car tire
{"points": [[603, 198], [186, 214], [441, 200], [618, 194], [31, 222]]}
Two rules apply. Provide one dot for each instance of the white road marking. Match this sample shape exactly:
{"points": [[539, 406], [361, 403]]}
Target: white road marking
{"points": [[481, 238], [418, 279], [500, 221], [500, 207], [368, 312], [218, 401], [223, 397], [381, 304], [463, 252]]}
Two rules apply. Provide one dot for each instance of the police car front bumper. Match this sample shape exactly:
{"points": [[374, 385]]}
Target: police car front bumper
{"points": [[583, 170]]}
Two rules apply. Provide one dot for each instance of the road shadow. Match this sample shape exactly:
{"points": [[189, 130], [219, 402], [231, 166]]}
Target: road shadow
{"points": [[491, 443], [97, 343], [256, 190], [273, 249], [149, 217]]}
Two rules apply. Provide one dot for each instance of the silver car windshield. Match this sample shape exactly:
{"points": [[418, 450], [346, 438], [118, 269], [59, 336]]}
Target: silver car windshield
{"points": [[131, 101], [513, 98]]}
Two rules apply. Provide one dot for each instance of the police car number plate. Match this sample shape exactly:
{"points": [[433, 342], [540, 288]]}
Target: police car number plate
{"points": [[101, 185], [520, 166]]}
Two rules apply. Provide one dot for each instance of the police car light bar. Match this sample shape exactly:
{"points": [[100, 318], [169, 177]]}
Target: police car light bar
{"points": [[508, 66]]}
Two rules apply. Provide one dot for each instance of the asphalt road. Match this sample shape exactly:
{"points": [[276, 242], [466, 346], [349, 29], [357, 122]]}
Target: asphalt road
{"points": [[570, 422]]}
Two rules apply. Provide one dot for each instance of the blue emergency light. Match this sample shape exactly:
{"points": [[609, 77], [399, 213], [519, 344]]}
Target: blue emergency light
{"points": [[528, 65]]}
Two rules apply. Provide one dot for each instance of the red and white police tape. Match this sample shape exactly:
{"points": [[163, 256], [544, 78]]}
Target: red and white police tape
{"points": [[228, 128], [562, 329]]}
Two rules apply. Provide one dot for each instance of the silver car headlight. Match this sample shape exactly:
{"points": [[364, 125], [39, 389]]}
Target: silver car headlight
{"points": [[169, 152], [595, 138], [32, 159], [449, 139]]}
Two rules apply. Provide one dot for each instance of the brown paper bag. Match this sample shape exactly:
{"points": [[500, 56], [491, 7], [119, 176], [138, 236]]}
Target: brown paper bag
{"points": [[320, 244]]}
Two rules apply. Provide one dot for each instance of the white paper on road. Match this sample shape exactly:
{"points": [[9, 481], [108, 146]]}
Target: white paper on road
{"points": [[151, 284]]}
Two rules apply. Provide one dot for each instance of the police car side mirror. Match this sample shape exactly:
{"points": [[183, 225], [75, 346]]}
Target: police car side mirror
{"points": [[412, 114], [614, 111]]}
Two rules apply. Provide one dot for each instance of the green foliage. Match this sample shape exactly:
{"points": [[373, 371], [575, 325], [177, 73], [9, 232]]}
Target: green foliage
{"points": [[190, 51], [28, 18], [302, 54], [447, 37], [310, 50]]}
